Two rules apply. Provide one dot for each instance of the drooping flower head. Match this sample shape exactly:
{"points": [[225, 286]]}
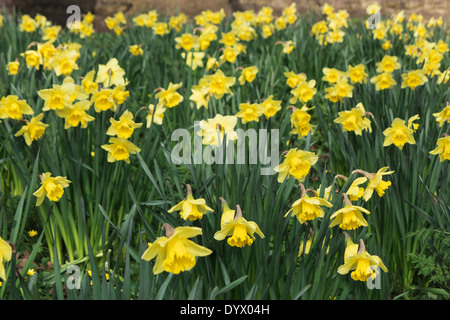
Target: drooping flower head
{"points": [[120, 149], [175, 252], [350, 217], [363, 264], [191, 208], [240, 230], [308, 208]]}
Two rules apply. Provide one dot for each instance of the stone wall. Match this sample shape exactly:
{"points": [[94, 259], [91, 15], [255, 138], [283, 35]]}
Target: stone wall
{"points": [[56, 9]]}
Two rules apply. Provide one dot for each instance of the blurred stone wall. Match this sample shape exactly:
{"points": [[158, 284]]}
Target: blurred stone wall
{"points": [[56, 9]]}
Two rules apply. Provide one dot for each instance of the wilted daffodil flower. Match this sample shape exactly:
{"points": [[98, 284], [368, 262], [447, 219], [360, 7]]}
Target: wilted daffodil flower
{"points": [[52, 187], [376, 182], [350, 217], [362, 262], [399, 134], [33, 130], [175, 252], [5, 255], [240, 230], [308, 208], [296, 163], [443, 148], [355, 120], [191, 208]]}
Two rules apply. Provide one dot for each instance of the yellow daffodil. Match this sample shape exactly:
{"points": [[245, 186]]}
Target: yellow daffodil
{"points": [[136, 50], [296, 163], [186, 41], [124, 127], [214, 130], [191, 208], [200, 94], [227, 212], [414, 78], [399, 134], [120, 149], [193, 59], [308, 208], [5, 255], [76, 114], [240, 230], [357, 74], [294, 79], [154, 116], [248, 75], [303, 92], [13, 67], [388, 64], [355, 192], [300, 121], [332, 75], [250, 112], [58, 97], [51, 187], [376, 182], [63, 62], [270, 106], [443, 116], [110, 74], [169, 98], [350, 217], [33, 58], [175, 252], [354, 120], [443, 148], [33, 130], [383, 81], [219, 84], [88, 83], [362, 262], [12, 107], [104, 100], [28, 24]]}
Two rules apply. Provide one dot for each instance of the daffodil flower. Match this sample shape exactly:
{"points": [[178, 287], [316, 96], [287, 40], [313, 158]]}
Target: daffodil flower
{"points": [[214, 130], [240, 230], [308, 208], [175, 252], [51, 187], [296, 163], [350, 217], [12, 107], [191, 208], [443, 148], [354, 120], [124, 127], [169, 98], [399, 134], [33, 130], [5, 255], [376, 182], [120, 149], [362, 263], [110, 74]]}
